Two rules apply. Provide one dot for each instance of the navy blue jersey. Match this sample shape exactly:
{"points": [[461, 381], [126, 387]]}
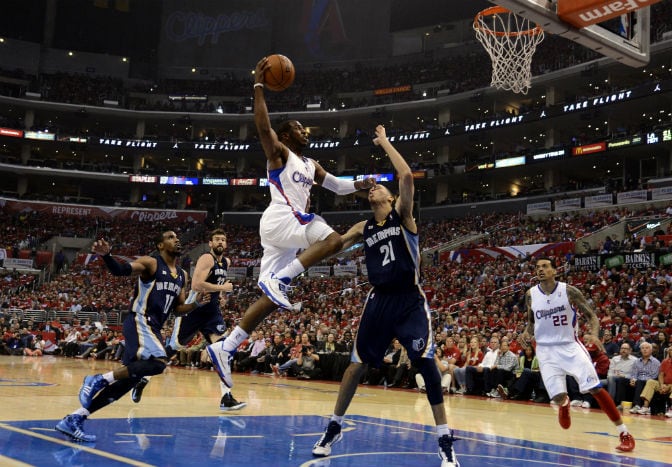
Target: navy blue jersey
{"points": [[218, 276], [154, 300], [392, 254]]}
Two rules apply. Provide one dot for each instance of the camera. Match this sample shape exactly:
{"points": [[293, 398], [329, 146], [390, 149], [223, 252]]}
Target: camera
{"points": [[305, 349]]}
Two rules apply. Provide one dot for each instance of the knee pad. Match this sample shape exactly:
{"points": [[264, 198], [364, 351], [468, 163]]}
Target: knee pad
{"points": [[432, 377], [141, 368]]}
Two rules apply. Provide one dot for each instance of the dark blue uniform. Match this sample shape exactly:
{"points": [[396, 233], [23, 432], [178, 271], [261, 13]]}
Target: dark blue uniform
{"points": [[396, 305], [208, 318], [152, 303]]}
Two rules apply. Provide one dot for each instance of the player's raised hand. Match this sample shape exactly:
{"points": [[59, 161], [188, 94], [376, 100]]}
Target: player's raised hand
{"points": [[380, 135], [365, 184], [100, 247]]}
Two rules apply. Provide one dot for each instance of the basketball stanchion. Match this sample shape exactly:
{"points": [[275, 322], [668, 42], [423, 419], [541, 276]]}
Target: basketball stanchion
{"points": [[510, 40]]}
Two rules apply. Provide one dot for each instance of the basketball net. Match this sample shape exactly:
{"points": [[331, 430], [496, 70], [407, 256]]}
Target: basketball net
{"points": [[510, 40]]}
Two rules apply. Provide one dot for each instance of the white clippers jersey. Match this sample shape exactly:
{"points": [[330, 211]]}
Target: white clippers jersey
{"points": [[555, 319], [291, 184]]}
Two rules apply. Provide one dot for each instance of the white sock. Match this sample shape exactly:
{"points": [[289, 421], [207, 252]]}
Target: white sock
{"points": [[109, 377], [338, 419], [81, 411], [292, 270], [237, 336], [622, 428], [442, 430], [225, 389]]}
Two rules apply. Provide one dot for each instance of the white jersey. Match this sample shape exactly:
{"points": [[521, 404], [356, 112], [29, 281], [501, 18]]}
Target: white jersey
{"points": [[555, 319], [291, 184]]}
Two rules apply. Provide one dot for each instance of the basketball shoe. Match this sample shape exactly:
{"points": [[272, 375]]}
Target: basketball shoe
{"points": [[331, 436], [136, 392], [563, 414], [446, 451], [276, 289], [221, 361], [627, 443], [72, 426], [229, 402], [90, 387]]}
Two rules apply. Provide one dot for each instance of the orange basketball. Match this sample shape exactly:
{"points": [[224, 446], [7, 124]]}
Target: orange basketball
{"points": [[281, 73]]}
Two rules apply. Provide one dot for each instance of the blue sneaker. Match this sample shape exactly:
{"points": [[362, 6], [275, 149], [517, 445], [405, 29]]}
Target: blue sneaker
{"points": [[276, 290], [221, 361], [71, 425], [91, 386]]}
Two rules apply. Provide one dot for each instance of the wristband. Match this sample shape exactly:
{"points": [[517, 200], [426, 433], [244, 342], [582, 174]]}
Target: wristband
{"points": [[258, 85], [115, 268]]}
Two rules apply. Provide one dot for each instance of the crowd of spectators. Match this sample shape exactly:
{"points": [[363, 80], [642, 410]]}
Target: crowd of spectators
{"points": [[634, 306]]}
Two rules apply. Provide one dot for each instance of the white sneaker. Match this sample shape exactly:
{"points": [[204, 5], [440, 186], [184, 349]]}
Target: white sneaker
{"points": [[585, 404], [331, 436], [575, 403], [635, 409], [446, 451], [644, 411], [221, 362], [668, 414], [276, 290]]}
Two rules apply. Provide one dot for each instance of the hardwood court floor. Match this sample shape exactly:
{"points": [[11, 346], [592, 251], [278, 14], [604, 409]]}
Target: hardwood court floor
{"points": [[178, 423]]}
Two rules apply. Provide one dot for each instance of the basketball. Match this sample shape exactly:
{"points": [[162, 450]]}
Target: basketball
{"points": [[280, 75]]}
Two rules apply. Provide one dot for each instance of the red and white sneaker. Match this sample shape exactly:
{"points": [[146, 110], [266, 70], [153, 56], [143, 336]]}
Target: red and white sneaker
{"points": [[627, 443]]}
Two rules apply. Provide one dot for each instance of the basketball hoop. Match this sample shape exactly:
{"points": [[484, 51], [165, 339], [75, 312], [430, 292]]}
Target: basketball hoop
{"points": [[510, 40]]}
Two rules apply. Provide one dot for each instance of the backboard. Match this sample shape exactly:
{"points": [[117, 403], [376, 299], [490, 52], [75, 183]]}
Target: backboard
{"points": [[626, 41]]}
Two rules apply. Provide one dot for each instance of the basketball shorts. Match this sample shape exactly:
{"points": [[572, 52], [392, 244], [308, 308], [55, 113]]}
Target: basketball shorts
{"points": [[206, 319], [284, 232], [142, 341], [559, 360], [405, 316]]}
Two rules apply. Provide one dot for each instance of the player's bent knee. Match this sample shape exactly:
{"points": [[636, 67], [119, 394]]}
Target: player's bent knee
{"points": [[141, 368]]}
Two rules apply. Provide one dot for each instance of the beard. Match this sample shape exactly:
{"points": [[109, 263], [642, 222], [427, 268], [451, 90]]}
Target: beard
{"points": [[219, 250], [176, 253]]}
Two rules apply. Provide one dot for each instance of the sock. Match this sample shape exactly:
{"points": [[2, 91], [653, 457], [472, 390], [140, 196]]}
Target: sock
{"points": [[607, 405], [225, 389], [442, 430], [565, 402], [109, 377], [237, 336], [622, 428], [81, 411], [338, 419], [292, 270]]}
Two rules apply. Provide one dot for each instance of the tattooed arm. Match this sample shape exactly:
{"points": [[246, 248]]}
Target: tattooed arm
{"points": [[576, 297], [528, 333]]}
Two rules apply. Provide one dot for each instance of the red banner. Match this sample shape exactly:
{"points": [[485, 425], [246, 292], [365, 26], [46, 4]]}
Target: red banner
{"points": [[81, 210]]}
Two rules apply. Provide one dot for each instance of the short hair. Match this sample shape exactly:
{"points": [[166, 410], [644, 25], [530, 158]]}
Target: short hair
{"points": [[160, 237], [285, 127], [546, 258], [217, 231]]}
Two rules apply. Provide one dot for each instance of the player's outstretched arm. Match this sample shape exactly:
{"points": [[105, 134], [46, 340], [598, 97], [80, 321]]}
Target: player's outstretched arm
{"points": [[404, 204], [340, 186], [144, 265], [273, 148], [353, 235]]}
